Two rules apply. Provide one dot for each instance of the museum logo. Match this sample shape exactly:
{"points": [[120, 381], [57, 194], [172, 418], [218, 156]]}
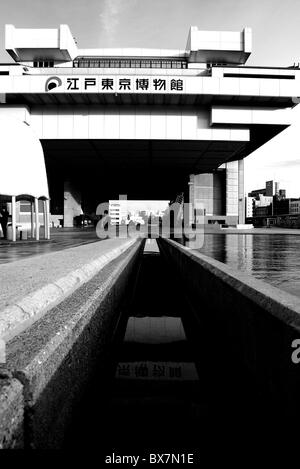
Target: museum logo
{"points": [[52, 82]]}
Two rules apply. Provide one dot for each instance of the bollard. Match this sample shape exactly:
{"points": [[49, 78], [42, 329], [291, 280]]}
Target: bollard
{"points": [[23, 235]]}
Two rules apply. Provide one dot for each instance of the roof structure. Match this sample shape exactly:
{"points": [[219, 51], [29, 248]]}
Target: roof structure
{"points": [[22, 164]]}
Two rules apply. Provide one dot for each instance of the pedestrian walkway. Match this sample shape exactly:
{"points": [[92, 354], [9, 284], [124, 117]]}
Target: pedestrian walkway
{"points": [[60, 239]]}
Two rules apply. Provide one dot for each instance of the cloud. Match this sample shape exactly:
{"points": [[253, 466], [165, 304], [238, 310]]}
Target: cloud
{"points": [[111, 14], [283, 164]]}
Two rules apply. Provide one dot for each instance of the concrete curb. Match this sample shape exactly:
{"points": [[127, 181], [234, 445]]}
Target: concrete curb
{"points": [[16, 317]]}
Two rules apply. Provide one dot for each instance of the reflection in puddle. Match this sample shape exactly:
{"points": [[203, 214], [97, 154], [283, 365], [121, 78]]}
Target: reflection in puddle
{"points": [[274, 258], [155, 331]]}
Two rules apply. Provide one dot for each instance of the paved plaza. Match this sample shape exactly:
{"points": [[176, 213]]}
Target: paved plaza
{"points": [[60, 239]]}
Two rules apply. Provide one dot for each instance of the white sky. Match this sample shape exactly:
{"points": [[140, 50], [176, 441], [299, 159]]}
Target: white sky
{"points": [[165, 24], [279, 159]]}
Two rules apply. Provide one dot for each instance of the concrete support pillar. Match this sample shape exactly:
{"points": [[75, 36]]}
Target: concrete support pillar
{"points": [[13, 218], [32, 219], [241, 193], [72, 204], [232, 193], [37, 224], [191, 199], [46, 219]]}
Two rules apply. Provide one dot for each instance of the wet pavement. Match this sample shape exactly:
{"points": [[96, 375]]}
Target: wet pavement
{"points": [[273, 258], [63, 238]]}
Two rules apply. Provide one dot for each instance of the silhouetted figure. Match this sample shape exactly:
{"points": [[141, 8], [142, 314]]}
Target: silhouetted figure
{"points": [[4, 215], [105, 223], [106, 220]]}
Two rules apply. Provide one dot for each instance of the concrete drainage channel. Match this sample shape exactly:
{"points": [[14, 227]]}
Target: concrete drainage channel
{"points": [[162, 390], [150, 395]]}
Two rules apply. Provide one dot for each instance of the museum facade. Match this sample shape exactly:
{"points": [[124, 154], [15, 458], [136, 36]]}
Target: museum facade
{"points": [[148, 123]]}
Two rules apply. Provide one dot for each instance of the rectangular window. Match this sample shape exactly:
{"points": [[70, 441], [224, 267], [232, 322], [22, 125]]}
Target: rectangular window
{"points": [[135, 63], [25, 206], [156, 64], [83, 63]]}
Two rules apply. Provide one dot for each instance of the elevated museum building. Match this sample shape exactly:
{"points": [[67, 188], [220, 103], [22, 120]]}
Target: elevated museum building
{"points": [[148, 123]]}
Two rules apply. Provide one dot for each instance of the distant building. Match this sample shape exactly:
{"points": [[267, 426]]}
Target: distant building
{"points": [[276, 210], [255, 193], [263, 201], [282, 194], [249, 206], [271, 189], [271, 207], [118, 211], [284, 206], [262, 206], [263, 211], [295, 207]]}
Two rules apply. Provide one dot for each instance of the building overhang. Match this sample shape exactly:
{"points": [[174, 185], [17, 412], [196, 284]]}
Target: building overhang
{"points": [[27, 45], [223, 47]]}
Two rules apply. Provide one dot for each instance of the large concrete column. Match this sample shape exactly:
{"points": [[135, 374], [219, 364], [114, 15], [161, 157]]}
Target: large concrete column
{"points": [[32, 219], [241, 193], [232, 193], [72, 204], [13, 218], [46, 219], [191, 199], [37, 222]]}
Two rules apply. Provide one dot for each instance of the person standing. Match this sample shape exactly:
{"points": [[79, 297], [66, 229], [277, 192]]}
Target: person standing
{"points": [[4, 215]]}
